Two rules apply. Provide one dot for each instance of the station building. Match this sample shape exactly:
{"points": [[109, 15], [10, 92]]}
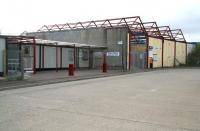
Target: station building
{"points": [[123, 43]]}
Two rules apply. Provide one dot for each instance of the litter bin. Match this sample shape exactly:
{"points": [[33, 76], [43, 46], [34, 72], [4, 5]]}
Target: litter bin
{"points": [[71, 70], [104, 67]]}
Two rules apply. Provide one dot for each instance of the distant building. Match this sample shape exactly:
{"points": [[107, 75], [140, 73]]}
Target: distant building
{"points": [[191, 46]]}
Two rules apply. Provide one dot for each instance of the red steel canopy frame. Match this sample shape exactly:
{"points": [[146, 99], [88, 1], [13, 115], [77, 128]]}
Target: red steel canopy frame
{"points": [[178, 35], [152, 29], [165, 32], [133, 23], [137, 29], [24, 40]]}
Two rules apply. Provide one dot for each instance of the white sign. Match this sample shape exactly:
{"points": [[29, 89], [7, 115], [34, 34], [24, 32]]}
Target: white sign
{"points": [[112, 54], [151, 53], [120, 42]]}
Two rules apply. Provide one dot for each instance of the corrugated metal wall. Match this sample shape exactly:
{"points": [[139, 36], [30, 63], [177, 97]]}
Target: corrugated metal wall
{"points": [[83, 58], [54, 57], [113, 36], [67, 57], [38, 59], [97, 58], [168, 53], [180, 53], [108, 37], [156, 51], [138, 56], [49, 57]]}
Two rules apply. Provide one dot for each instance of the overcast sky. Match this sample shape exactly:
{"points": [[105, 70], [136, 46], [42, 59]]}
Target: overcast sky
{"points": [[17, 16]]}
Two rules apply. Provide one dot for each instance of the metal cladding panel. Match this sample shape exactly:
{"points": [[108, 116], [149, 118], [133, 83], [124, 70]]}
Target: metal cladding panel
{"points": [[37, 56], [138, 56], [138, 48], [58, 57], [97, 58], [83, 58], [28, 56], [180, 53], [168, 53], [156, 51], [2, 48], [67, 57], [49, 57], [116, 39], [94, 36]]}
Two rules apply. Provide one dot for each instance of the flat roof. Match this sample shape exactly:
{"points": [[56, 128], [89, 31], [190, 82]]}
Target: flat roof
{"points": [[61, 43]]}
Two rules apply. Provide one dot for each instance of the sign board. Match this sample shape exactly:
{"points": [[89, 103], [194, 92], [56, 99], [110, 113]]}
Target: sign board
{"points": [[151, 53], [155, 58], [120, 42], [15, 65], [112, 54]]}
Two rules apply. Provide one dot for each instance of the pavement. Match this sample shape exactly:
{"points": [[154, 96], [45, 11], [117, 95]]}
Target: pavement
{"points": [[50, 77], [162, 100]]}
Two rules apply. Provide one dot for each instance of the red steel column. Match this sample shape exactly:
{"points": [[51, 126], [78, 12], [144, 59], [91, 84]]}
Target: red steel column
{"points": [[104, 66]]}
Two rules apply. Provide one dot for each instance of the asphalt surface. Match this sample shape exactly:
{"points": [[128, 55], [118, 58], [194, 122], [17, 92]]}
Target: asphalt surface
{"points": [[164, 100]]}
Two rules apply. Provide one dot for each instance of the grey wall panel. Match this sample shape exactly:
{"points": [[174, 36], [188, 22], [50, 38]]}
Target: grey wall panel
{"points": [[28, 56], [37, 56], [95, 36], [97, 58], [115, 35], [83, 58], [67, 57], [2, 48], [58, 57], [49, 57]]}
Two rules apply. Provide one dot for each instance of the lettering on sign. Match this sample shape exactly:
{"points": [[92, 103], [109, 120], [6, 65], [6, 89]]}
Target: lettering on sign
{"points": [[112, 54]]}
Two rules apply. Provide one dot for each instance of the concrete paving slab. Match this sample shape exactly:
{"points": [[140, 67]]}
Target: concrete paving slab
{"points": [[154, 101], [50, 77]]}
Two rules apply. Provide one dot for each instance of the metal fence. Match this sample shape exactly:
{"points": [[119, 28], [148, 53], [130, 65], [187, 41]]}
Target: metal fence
{"points": [[15, 69], [138, 60]]}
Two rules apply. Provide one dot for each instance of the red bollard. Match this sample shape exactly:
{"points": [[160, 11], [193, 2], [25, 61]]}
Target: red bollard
{"points": [[71, 70], [104, 67]]}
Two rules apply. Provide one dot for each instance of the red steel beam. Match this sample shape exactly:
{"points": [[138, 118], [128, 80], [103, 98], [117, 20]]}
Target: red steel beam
{"points": [[178, 35], [126, 22]]}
